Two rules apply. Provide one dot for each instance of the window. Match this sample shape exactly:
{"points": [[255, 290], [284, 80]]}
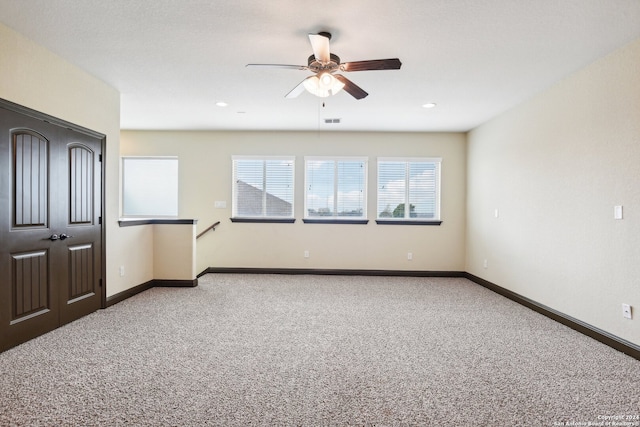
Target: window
{"points": [[150, 187], [263, 188], [409, 191], [335, 189]]}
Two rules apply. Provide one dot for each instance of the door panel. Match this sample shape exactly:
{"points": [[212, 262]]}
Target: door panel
{"points": [[30, 178], [81, 178], [81, 294], [81, 272], [30, 283], [28, 297], [50, 229]]}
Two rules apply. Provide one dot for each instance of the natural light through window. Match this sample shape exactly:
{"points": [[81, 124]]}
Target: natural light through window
{"points": [[335, 188], [263, 187], [150, 187], [408, 189]]}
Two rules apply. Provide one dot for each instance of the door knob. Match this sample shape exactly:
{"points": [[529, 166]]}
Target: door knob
{"points": [[65, 236], [53, 237]]}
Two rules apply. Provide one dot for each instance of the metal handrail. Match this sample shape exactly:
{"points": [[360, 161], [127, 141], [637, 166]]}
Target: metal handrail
{"points": [[211, 227]]}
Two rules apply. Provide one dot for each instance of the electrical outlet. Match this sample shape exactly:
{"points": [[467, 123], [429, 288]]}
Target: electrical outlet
{"points": [[409, 256], [626, 311], [220, 204], [122, 271], [306, 254], [485, 263]]}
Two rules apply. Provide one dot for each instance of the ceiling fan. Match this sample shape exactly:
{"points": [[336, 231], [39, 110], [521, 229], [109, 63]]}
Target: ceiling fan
{"points": [[324, 65]]}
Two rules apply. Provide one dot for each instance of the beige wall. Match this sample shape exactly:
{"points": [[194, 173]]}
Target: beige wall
{"points": [[174, 251], [36, 78], [205, 177], [133, 250], [555, 167]]}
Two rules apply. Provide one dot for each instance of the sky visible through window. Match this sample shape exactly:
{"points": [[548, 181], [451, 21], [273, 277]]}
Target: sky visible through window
{"points": [[393, 178], [335, 187], [348, 197]]}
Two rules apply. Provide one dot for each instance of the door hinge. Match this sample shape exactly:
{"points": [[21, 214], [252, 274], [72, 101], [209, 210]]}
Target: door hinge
{"points": [[100, 282], [100, 157], [99, 220]]}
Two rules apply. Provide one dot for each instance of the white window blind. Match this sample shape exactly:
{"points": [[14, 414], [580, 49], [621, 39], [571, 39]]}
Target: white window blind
{"points": [[335, 188], [409, 189], [150, 187], [263, 187]]}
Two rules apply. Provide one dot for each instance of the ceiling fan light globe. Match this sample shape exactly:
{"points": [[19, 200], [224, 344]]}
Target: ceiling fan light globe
{"points": [[311, 84], [323, 85], [326, 80], [337, 86]]}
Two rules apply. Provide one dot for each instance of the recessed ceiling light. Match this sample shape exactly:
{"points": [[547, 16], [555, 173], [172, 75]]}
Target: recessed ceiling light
{"points": [[221, 104], [429, 105]]}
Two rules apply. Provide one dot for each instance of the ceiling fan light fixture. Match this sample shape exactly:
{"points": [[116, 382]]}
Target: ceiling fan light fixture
{"points": [[323, 85], [326, 80]]}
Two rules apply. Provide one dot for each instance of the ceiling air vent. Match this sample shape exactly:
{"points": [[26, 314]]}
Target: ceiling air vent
{"points": [[332, 120]]}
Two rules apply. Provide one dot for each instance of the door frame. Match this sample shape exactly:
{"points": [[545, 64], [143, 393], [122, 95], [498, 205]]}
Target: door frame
{"points": [[103, 145]]}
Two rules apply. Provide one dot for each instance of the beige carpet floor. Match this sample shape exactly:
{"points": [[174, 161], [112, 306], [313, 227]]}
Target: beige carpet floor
{"points": [[278, 350]]}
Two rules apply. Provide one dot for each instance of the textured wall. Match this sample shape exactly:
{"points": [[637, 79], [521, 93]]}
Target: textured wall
{"points": [[205, 177], [555, 167], [34, 77]]}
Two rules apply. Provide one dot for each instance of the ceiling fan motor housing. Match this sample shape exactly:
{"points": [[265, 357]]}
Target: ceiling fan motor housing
{"points": [[316, 66]]}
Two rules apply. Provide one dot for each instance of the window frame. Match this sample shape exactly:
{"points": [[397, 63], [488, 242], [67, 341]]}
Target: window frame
{"points": [[175, 197], [334, 218], [407, 220], [234, 190]]}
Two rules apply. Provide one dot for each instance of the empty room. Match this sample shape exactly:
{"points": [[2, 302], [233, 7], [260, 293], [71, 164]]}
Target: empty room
{"points": [[366, 213]]}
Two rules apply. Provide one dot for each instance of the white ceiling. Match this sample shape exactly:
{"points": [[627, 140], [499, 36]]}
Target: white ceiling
{"points": [[172, 60]]}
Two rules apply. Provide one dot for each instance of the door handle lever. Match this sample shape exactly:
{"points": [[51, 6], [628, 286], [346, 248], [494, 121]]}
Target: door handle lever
{"points": [[53, 237], [65, 236]]}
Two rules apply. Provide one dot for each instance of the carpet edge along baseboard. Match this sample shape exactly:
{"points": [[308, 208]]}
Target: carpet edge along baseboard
{"points": [[598, 334]]}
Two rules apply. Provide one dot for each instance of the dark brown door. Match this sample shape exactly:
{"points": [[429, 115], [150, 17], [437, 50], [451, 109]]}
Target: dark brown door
{"points": [[50, 226]]}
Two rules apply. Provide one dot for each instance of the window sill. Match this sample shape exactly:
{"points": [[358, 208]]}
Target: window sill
{"points": [[335, 221], [406, 222], [265, 220], [126, 222]]}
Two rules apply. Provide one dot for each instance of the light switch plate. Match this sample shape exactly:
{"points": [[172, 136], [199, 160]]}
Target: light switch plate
{"points": [[617, 212], [626, 311]]}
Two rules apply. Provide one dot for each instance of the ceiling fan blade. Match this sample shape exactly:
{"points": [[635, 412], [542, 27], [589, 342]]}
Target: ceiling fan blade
{"points": [[351, 88], [375, 64], [320, 46], [298, 89], [287, 66]]}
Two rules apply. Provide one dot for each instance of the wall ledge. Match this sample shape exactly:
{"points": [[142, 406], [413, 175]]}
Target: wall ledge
{"points": [[125, 222]]}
